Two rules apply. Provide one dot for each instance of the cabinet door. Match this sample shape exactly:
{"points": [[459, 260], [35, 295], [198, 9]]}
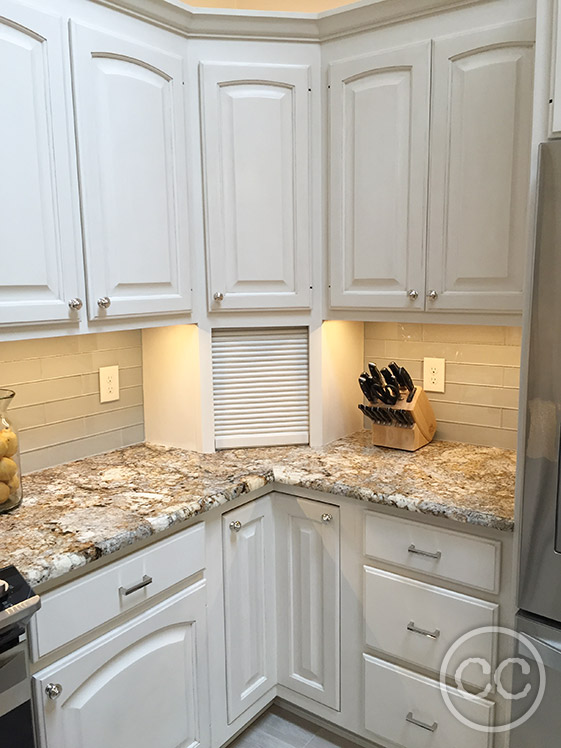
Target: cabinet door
{"points": [[41, 264], [140, 686], [308, 570], [249, 605], [131, 136], [479, 175], [256, 138], [379, 115]]}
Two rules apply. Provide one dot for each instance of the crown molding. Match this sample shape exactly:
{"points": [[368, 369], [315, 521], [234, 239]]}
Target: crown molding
{"points": [[271, 25]]}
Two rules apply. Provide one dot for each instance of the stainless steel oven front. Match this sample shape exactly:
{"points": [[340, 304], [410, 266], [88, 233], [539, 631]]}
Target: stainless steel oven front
{"points": [[16, 717]]}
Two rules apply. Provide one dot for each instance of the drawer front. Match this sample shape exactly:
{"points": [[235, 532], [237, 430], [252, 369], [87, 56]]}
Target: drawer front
{"points": [[79, 607], [419, 623], [392, 695], [442, 553]]}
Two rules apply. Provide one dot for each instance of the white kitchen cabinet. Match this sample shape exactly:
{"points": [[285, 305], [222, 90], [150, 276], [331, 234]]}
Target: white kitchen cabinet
{"points": [[476, 166], [480, 168], [408, 710], [308, 598], [256, 161], [142, 685], [130, 117], [249, 604], [41, 269], [379, 120]]}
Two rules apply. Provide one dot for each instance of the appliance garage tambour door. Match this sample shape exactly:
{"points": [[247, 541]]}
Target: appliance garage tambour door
{"points": [[261, 387]]}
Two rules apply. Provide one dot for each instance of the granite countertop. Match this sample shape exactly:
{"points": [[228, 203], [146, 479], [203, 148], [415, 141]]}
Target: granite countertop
{"points": [[75, 513]]}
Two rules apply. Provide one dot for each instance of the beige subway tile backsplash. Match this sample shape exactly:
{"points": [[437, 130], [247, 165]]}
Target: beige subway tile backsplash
{"points": [[480, 403], [57, 408]]}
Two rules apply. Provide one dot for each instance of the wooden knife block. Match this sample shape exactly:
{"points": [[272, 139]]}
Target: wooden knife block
{"points": [[412, 438]]}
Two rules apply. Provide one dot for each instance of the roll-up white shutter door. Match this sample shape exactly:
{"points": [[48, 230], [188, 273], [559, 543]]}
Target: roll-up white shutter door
{"points": [[260, 379]]}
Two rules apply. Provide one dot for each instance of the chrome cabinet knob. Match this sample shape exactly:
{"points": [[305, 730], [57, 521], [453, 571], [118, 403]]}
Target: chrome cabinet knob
{"points": [[235, 526], [53, 690], [104, 302], [218, 296], [75, 304], [432, 295], [412, 294], [326, 517]]}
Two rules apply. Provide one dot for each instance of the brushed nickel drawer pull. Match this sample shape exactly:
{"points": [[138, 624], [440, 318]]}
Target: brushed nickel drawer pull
{"points": [[146, 580], [417, 722], [428, 554], [416, 630]]}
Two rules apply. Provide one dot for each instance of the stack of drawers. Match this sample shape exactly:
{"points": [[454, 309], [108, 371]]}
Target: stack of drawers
{"points": [[410, 626]]}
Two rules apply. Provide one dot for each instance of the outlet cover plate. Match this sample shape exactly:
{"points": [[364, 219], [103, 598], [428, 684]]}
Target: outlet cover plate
{"points": [[108, 384], [434, 370]]}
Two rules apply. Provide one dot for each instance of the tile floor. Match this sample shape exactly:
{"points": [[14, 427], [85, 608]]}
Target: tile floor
{"points": [[279, 729]]}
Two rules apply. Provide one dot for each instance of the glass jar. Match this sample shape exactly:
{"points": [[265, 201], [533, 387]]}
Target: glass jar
{"points": [[10, 467]]}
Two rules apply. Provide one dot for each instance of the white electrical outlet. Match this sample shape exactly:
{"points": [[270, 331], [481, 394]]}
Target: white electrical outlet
{"points": [[433, 374], [108, 384]]}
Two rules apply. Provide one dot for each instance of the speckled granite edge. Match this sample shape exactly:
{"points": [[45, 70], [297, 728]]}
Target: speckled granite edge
{"points": [[420, 506], [44, 570], [80, 512]]}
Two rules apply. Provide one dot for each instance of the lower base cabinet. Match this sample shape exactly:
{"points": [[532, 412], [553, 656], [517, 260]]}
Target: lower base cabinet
{"points": [[142, 685], [249, 604], [308, 588], [299, 606], [408, 710]]}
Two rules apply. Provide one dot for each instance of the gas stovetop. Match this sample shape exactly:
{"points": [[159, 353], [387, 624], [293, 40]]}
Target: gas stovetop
{"points": [[18, 601]]}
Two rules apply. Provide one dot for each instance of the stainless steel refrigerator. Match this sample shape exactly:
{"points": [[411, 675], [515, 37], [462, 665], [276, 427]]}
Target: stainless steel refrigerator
{"points": [[539, 592]]}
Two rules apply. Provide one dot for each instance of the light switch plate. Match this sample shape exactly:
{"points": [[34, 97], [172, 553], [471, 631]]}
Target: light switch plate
{"points": [[434, 374], [108, 384]]}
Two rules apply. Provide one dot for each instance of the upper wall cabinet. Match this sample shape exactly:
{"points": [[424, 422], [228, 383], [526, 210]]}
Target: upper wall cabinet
{"points": [[256, 142], [478, 179], [379, 117], [130, 120], [480, 168], [41, 270]]}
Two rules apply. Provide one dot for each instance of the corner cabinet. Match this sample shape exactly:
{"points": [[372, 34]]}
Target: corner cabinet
{"points": [[379, 118], [464, 250], [308, 579], [39, 227], [256, 163], [130, 117], [142, 685], [249, 604]]}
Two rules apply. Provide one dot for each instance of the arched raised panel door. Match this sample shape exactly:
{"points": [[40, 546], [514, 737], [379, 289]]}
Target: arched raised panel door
{"points": [[144, 685], [379, 116], [131, 140], [308, 598], [41, 264], [256, 135], [479, 175], [249, 604]]}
